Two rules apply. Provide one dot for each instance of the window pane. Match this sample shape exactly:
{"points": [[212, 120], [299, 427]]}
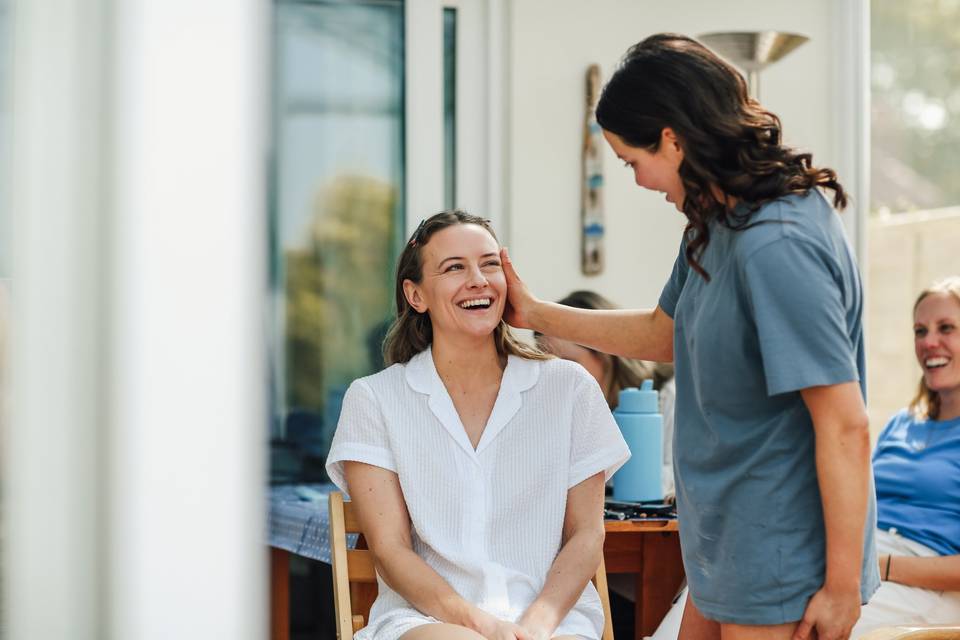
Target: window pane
{"points": [[915, 133], [5, 79], [915, 104], [336, 214]]}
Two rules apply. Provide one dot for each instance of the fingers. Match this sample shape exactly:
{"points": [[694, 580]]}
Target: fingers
{"points": [[842, 633], [524, 632], [520, 302], [808, 630], [803, 629], [509, 631], [508, 268]]}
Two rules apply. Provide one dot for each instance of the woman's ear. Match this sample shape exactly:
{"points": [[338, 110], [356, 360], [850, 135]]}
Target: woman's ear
{"points": [[670, 144], [414, 296]]}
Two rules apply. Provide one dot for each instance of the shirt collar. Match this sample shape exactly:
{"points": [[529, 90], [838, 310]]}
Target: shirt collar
{"points": [[421, 373], [520, 375]]}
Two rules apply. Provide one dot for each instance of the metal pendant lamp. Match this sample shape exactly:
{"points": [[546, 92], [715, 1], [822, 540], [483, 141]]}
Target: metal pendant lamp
{"points": [[753, 51]]}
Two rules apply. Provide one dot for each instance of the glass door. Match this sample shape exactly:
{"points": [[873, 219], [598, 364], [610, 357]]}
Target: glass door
{"points": [[337, 213]]}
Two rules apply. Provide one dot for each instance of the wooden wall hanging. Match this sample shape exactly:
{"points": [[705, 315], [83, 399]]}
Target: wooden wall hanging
{"points": [[591, 206]]}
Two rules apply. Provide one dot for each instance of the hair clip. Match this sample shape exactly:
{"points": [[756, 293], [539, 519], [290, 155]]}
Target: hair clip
{"points": [[415, 238]]}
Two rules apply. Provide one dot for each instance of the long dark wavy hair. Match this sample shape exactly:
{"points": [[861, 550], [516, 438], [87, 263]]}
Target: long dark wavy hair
{"points": [[412, 331], [926, 404], [729, 141]]}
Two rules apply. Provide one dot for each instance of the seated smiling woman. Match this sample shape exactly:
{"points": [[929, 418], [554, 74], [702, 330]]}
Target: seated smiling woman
{"points": [[917, 468], [476, 464]]}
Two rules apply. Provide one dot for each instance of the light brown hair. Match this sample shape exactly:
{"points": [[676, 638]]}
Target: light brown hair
{"points": [[412, 332], [926, 404]]}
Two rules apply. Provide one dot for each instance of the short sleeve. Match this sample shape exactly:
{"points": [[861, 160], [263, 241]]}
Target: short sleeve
{"points": [[596, 443], [801, 320], [886, 434], [671, 290], [361, 435]]}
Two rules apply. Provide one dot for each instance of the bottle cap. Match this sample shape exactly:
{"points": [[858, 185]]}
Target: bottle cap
{"points": [[642, 400]]}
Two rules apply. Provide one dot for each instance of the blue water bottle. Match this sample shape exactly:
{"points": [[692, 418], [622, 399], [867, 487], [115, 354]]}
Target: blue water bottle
{"points": [[640, 422]]}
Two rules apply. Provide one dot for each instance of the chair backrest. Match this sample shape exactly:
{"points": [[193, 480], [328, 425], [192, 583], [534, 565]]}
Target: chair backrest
{"points": [[355, 577], [600, 582]]}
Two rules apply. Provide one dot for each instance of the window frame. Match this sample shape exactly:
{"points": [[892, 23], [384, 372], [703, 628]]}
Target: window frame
{"points": [[480, 167]]}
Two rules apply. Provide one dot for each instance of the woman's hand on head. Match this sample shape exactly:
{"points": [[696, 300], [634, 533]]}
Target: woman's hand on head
{"points": [[520, 301]]}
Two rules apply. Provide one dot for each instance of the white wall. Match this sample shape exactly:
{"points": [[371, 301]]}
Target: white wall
{"points": [[552, 44]]}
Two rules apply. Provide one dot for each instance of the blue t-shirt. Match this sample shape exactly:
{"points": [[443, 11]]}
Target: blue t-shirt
{"points": [[782, 312], [917, 468]]}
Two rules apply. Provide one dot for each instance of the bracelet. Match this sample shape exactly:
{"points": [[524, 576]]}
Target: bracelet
{"points": [[886, 571]]}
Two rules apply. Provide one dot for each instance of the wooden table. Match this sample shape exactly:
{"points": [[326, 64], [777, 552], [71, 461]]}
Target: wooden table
{"points": [[651, 550]]}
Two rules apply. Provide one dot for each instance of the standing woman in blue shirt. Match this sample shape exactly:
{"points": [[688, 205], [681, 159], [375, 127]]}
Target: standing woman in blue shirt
{"points": [[762, 318]]}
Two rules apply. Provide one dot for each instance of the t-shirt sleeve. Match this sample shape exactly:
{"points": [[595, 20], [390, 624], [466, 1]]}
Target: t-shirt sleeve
{"points": [[886, 434], [800, 315], [361, 435], [596, 443], [671, 290]]}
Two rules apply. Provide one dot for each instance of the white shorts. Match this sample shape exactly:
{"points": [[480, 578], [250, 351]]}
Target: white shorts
{"points": [[895, 604]]}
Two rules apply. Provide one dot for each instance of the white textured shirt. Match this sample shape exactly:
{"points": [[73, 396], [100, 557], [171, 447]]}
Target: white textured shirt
{"points": [[488, 520]]}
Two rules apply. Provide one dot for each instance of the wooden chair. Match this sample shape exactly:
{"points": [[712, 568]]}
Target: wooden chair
{"points": [[355, 578]]}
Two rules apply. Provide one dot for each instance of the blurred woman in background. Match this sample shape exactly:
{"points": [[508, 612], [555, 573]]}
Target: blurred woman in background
{"points": [[614, 373]]}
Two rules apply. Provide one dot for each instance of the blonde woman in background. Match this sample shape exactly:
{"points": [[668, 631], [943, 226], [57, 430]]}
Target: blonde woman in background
{"points": [[916, 466]]}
